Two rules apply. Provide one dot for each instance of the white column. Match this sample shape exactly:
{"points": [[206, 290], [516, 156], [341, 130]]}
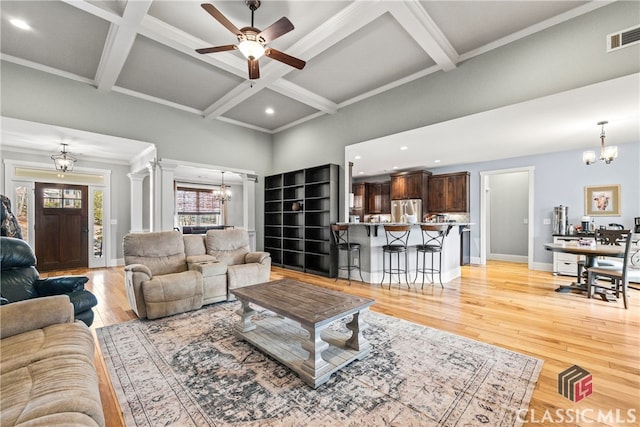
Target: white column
{"points": [[135, 180], [154, 196], [167, 195], [249, 207]]}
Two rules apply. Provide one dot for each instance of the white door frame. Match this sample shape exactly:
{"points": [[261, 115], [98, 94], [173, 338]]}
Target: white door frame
{"points": [[484, 216], [102, 182]]}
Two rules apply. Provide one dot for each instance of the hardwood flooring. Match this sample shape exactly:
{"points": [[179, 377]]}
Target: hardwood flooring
{"points": [[503, 304]]}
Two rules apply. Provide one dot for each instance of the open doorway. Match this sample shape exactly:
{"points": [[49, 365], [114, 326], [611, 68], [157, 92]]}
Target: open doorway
{"points": [[506, 215]]}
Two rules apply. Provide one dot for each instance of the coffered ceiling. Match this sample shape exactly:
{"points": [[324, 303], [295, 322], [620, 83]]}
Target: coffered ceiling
{"points": [[353, 49]]}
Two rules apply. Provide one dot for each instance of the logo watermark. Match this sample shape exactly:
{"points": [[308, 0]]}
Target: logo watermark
{"points": [[575, 383], [578, 416]]}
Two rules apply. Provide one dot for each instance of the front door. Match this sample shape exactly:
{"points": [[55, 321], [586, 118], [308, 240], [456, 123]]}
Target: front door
{"points": [[61, 229]]}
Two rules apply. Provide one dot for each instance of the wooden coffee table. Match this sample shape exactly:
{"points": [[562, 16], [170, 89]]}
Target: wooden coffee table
{"points": [[301, 339]]}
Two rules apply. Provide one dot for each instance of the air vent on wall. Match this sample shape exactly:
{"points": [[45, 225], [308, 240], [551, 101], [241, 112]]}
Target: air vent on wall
{"points": [[623, 38]]}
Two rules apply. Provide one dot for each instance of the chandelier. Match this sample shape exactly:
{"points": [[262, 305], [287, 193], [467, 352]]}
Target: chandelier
{"points": [[64, 161], [607, 154], [222, 194]]}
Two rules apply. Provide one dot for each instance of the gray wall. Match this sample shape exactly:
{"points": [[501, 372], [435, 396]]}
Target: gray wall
{"points": [[560, 58], [559, 179], [509, 207], [28, 94], [120, 198]]}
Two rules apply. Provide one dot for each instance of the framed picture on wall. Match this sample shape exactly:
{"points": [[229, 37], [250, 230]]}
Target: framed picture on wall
{"points": [[602, 200]]}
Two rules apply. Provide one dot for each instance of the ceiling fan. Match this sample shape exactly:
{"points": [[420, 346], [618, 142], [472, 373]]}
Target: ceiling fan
{"points": [[252, 41]]}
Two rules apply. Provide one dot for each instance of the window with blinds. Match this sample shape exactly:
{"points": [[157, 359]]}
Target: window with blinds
{"points": [[197, 207]]}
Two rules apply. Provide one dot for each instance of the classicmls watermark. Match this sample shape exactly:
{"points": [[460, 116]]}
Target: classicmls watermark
{"points": [[579, 416], [575, 383]]}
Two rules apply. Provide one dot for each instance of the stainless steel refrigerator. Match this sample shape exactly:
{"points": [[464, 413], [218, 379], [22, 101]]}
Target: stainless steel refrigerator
{"points": [[409, 210]]}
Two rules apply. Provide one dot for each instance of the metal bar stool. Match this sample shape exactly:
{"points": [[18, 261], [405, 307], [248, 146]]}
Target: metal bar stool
{"points": [[397, 238], [343, 243], [432, 243]]}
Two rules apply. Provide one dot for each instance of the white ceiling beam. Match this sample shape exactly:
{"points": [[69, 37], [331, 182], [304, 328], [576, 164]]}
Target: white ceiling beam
{"points": [[347, 21], [119, 42], [286, 88], [176, 39], [95, 10], [419, 24], [187, 44]]}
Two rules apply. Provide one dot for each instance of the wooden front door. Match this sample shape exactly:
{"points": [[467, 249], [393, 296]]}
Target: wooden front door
{"points": [[61, 226]]}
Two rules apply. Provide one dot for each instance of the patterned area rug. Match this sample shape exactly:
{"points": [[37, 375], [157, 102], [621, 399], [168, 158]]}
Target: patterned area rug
{"points": [[190, 370]]}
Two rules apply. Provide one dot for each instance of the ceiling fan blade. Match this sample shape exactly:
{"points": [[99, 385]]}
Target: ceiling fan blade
{"points": [[280, 27], [220, 18], [284, 58], [217, 48], [254, 69]]}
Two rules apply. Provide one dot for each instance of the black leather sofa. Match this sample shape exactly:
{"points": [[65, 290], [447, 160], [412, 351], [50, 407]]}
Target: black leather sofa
{"points": [[20, 280]]}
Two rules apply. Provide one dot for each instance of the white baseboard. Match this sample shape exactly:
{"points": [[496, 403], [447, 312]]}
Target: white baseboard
{"points": [[508, 257]]}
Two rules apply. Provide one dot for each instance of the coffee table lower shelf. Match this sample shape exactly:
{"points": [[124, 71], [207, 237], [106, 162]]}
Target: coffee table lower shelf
{"points": [[283, 339]]}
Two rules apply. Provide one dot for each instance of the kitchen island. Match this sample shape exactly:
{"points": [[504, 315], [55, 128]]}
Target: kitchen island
{"points": [[371, 237]]}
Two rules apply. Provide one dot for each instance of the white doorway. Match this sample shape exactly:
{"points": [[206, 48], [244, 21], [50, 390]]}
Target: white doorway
{"points": [[513, 188]]}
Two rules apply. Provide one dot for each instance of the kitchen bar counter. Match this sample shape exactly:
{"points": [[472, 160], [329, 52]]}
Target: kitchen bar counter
{"points": [[371, 237]]}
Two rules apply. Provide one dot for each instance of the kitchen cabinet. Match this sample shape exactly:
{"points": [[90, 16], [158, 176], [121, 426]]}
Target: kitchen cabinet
{"points": [[410, 185], [299, 207], [359, 199], [378, 198], [564, 263], [449, 192]]}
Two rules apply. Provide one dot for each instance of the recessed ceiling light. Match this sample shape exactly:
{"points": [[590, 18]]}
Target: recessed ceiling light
{"points": [[395, 167], [361, 173], [404, 147], [357, 157], [269, 110], [436, 161], [20, 24]]}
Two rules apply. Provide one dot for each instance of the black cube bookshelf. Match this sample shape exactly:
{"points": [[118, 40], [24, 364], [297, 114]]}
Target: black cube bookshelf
{"points": [[299, 208]]}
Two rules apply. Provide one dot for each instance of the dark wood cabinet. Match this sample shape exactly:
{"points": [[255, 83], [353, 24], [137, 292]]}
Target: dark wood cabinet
{"points": [[299, 208], [449, 192], [359, 200], [378, 198], [410, 185]]}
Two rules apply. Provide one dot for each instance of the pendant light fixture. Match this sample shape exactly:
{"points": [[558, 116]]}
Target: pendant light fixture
{"points": [[64, 161], [607, 154], [223, 194]]}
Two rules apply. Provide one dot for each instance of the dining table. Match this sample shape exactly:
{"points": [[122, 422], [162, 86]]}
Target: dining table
{"points": [[591, 253]]}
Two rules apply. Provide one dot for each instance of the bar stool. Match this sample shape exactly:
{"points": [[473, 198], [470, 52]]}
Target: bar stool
{"points": [[432, 243], [343, 243], [397, 238]]}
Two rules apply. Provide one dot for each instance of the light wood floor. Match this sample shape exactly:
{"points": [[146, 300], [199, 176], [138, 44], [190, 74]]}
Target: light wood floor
{"points": [[503, 304]]}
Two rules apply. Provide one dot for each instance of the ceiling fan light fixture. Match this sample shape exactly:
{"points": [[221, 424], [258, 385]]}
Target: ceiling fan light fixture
{"points": [[251, 49]]}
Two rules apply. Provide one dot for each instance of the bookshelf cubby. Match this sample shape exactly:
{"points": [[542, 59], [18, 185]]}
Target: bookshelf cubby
{"points": [[299, 208]]}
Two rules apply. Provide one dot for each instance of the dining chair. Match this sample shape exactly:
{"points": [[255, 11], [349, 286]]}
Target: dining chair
{"points": [[343, 243], [604, 237], [618, 277], [432, 243], [397, 238]]}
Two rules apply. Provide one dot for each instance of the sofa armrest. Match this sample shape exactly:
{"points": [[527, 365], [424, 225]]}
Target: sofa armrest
{"points": [[138, 268], [59, 285], [198, 259], [256, 257], [36, 313]]}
